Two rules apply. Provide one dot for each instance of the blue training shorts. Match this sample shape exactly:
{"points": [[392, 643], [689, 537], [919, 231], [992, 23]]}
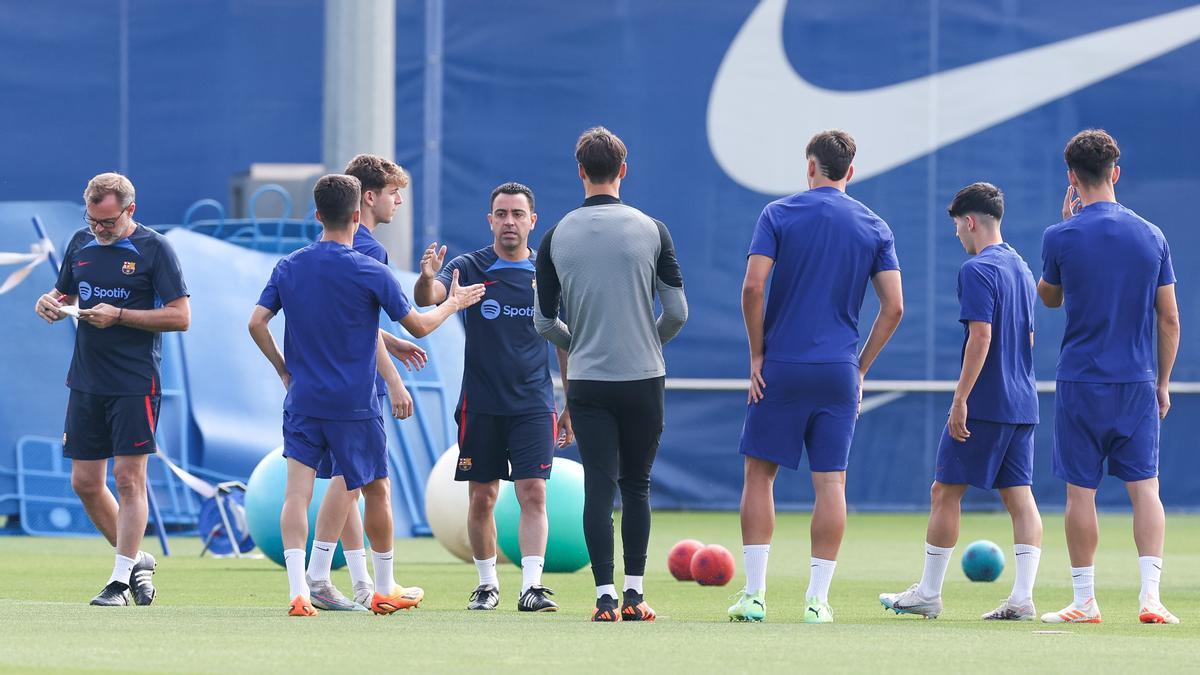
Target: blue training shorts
{"points": [[1097, 422], [994, 456], [357, 448], [508, 447], [811, 406], [99, 427], [328, 468]]}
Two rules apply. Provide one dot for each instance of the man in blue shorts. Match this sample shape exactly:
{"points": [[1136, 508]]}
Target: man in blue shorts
{"points": [[127, 284], [805, 379], [332, 296], [988, 440], [507, 426], [381, 181], [1112, 270]]}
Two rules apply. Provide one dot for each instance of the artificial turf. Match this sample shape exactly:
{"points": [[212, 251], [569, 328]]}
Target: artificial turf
{"points": [[225, 615]]}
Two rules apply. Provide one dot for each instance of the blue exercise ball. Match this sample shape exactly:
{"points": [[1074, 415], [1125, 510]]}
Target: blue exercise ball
{"points": [[983, 561], [264, 503], [566, 549]]}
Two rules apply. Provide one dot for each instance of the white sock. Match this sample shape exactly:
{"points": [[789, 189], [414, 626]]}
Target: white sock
{"points": [[1151, 568], [487, 571], [293, 559], [937, 559], [819, 576], [607, 589], [1027, 558], [321, 560], [531, 571], [385, 583], [755, 556], [356, 562], [633, 583], [1083, 581], [123, 567]]}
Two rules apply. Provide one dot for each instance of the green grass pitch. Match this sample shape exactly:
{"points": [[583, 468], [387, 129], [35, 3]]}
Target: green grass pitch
{"points": [[229, 615]]}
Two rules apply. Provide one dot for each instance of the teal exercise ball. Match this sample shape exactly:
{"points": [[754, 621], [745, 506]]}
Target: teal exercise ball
{"points": [[264, 503], [566, 549], [983, 561]]}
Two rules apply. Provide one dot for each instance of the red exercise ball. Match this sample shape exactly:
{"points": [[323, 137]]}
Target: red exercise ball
{"points": [[712, 566], [679, 560]]}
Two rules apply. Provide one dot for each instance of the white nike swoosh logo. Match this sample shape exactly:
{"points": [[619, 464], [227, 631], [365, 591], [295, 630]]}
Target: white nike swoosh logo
{"points": [[761, 112]]}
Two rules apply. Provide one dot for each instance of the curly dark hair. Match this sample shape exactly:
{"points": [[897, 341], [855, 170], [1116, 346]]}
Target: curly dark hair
{"points": [[1092, 154]]}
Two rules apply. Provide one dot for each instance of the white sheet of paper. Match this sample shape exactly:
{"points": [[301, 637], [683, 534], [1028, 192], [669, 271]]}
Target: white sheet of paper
{"points": [[69, 310]]}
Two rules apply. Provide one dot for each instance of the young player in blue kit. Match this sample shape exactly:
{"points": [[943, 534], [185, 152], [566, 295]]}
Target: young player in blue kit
{"points": [[988, 439], [1112, 270], [332, 296], [381, 181], [805, 378], [506, 411]]}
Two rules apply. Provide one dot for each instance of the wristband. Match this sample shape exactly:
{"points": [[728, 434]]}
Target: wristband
{"points": [[120, 313]]}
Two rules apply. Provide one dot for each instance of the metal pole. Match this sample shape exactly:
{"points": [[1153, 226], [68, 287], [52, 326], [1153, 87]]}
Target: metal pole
{"points": [[431, 211], [360, 98]]}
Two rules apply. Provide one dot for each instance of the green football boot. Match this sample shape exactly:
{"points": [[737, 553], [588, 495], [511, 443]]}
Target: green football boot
{"points": [[817, 611], [749, 607]]}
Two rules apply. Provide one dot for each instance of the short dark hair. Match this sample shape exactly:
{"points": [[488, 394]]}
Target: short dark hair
{"points": [[982, 198], [601, 154], [834, 150], [512, 188], [336, 196], [374, 173], [1092, 154]]}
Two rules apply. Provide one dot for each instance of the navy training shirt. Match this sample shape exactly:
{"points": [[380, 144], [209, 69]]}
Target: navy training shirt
{"points": [[1110, 263], [506, 369], [366, 244], [995, 286], [140, 271], [826, 246], [331, 296]]}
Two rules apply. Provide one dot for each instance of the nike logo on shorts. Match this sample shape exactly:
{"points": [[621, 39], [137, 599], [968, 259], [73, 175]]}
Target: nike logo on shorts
{"points": [[138, 445], [543, 467]]}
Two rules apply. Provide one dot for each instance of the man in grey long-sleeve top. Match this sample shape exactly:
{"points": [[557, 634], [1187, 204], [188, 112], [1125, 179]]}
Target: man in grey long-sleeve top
{"points": [[603, 263]]}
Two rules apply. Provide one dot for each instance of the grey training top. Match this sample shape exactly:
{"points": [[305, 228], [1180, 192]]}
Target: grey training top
{"points": [[603, 262]]}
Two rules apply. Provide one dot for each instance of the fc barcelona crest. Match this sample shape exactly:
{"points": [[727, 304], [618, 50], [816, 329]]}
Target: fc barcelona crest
{"points": [[464, 463], [128, 268]]}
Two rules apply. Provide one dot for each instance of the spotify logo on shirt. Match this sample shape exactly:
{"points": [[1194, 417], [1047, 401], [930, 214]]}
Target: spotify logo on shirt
{"points": [[490, 309], [88, 291]]}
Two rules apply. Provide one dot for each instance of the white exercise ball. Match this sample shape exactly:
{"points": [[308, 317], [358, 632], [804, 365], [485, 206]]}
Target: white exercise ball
{"points": [[446, 502]]}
